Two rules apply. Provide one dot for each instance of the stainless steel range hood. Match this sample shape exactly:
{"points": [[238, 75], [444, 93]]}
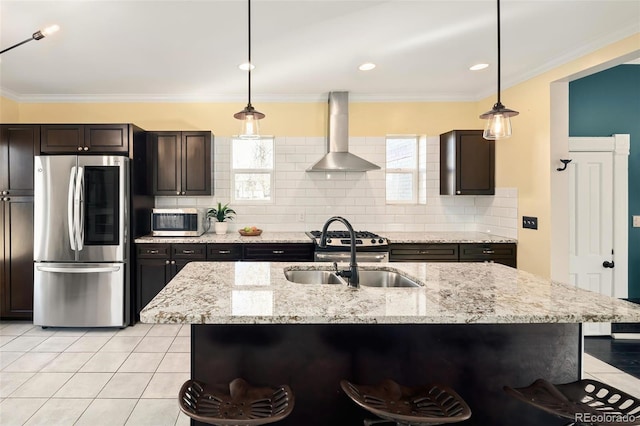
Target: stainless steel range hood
{"points": [[339, 159]]}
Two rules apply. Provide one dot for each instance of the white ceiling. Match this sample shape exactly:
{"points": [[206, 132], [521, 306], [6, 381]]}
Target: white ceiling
{"points": [[190, 50]]}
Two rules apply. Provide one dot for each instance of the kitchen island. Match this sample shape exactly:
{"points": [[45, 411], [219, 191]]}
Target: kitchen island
{"points": [[473, 326]]}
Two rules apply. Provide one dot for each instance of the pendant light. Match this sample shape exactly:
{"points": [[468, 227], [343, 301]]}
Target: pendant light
{"points": [[498, 119], [38, 35], [249, 115]]}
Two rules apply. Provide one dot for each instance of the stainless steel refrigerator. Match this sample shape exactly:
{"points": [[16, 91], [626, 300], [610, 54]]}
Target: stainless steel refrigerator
{"points": [[81, 241]]}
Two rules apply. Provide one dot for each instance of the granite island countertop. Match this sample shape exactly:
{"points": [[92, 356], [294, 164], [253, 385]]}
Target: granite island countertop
{"points": [[300, 237], [451, 293]]}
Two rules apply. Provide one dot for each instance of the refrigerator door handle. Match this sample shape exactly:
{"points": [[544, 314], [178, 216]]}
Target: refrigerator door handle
{"points": [[98, 269], [80, 211], [70, 210]]}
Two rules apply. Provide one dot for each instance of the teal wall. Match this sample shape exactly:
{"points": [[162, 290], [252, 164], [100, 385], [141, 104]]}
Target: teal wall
{"points": [[602, 104]]}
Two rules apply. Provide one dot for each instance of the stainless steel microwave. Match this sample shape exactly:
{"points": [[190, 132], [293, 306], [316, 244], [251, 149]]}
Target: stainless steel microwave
{"points": [[185, 222]]}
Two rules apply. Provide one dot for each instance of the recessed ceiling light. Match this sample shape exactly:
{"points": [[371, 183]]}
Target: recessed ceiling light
{"points": [[478, 67], [246, 66], [367, 66]]}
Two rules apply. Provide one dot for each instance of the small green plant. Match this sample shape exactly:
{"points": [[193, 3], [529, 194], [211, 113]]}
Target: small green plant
{"points": [[222, 213]]}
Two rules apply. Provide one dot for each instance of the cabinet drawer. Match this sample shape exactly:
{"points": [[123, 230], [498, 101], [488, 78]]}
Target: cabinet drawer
{"points": [[279, 252], [224, 252], [153, 251], [504, 253], [423, 252], [189, 251]]}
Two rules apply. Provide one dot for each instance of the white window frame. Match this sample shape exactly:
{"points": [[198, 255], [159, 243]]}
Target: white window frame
{"points": [[270, 172], [413, 171]]}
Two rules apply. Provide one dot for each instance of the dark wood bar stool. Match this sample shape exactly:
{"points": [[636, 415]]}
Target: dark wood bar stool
{"points": [[409, 406], [237, 403], [584, 402]]}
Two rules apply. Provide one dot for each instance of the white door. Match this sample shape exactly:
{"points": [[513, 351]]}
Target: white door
{"points": [[593, 202]]}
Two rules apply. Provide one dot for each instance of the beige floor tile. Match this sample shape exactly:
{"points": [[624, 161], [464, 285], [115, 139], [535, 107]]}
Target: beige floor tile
{"points": [[138, 329], [31, 361], [154, 412], [88, 343], [5, 339], [594, 365], [22, 343], [12, 381], [121, 344], [68, 362], [16, 329], [142, 362], [16, 411], [154, 344], [175, 363], [165, 330], [165, 385], [42, 385], [126, 385], [59, 411], [104, 362], [39, 331], [77, 332], [7, 358], [107, 412], [55, 344], [185, 331], [180, 344], [183, 419], [83, 385]]}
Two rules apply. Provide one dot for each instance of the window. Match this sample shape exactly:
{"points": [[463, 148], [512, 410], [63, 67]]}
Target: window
{"points": [[252, 169], [402, 169]]}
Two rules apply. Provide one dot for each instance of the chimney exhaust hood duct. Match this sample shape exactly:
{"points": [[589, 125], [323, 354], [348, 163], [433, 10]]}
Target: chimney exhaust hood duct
{"points": [[339, 159]]}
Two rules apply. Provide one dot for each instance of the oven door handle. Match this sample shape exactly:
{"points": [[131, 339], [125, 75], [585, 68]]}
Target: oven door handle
{"points": [[344, 256]]}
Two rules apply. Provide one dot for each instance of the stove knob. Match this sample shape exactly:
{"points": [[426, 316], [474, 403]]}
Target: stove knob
{"points": [[373, 241], [381, 241], [328, 240]]}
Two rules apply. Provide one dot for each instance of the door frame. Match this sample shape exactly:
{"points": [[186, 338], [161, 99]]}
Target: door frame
{"points": [[619, 145]]}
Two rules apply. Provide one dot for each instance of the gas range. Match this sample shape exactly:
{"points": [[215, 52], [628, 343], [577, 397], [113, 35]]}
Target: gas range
{"points": [[342, 239]]}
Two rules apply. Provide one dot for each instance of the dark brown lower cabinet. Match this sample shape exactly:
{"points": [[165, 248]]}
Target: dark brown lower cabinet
{"points": [[157, 264], [503, 253], [288, 252], [16, 258]]}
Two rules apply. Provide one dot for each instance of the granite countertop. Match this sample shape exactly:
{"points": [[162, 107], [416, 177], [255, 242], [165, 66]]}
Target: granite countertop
{"points": [[446, 237], [452, 293], [230, 237], [301, 237]]}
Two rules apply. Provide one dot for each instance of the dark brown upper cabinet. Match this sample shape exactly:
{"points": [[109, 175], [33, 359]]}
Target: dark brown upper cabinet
{"points": [[182, 163], [467, 163], [18, 145], [84, 139]]}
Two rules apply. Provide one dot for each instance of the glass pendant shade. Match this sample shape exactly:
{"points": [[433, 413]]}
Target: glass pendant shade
{"points": [[498, 122]]}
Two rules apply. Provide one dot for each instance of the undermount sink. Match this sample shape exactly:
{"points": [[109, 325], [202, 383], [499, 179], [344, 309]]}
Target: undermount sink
{"points": [[368, 278]]}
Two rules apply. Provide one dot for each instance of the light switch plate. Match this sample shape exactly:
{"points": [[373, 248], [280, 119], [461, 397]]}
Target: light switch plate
{"points": [[636, 221]]}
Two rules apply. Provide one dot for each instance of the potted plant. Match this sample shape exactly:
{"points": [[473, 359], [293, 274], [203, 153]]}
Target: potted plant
{"points": [[221, 214]]}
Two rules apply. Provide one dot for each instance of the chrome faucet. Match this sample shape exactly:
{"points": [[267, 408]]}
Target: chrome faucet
{"points": [[352, 274]]}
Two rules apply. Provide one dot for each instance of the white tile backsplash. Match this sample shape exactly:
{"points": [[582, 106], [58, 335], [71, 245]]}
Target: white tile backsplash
{"points": [[358, 196]]}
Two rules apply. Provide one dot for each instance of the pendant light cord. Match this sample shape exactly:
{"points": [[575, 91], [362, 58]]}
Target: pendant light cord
{"points": [[249, 40], [499, 77]]}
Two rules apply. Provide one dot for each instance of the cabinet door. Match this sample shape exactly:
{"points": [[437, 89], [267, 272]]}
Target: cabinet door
{"points": [[16, 263], [61, 138], [166, 163], [18, 146], [467, 163], [151, 277], [196, 163], [279, 252], [106, 138]]}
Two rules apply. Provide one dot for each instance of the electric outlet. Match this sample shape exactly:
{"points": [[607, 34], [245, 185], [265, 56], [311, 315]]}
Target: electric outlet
{"points": [[529, 222], [636, 221], [301, 217]]}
